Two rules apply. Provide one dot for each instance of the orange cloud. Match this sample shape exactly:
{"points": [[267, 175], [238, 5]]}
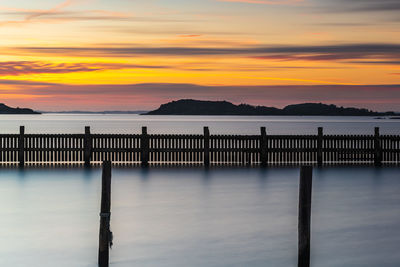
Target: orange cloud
{"points": [[58, 14], [266, 2], [189, 35]]}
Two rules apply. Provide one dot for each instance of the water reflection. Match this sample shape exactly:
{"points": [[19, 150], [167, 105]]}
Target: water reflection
{"points": [[196, 217]]}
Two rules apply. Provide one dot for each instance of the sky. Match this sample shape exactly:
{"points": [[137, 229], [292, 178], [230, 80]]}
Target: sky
{"points": [[137, 54]]}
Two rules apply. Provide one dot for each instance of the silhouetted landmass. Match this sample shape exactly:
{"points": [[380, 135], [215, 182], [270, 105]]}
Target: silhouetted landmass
{"points": [[198, 107], [97, 112], [4, 109]]}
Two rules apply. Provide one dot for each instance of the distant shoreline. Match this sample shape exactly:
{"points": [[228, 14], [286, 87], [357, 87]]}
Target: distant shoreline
{"points": [[225, 108], [94, 112]]}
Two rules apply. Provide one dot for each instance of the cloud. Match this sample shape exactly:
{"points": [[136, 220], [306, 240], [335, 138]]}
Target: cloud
{"points": [[369, 52], [382, 10], [15, 68], [34, 14], [345, 48], [377, 62], [367, 5], [190, 35], [266, 2], [25, 82], [57, 14]]}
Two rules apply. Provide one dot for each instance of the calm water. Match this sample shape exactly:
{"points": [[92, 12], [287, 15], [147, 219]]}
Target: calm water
{"points": [[61, 123], [176, 217]]}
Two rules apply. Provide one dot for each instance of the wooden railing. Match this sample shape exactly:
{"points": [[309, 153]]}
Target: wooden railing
{"points": [[203, 149]]}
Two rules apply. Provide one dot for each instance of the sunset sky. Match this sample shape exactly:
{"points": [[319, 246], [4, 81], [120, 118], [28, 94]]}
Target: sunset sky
{"points": [[138, 54]]}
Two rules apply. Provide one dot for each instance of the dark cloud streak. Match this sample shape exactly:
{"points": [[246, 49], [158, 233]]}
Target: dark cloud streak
{"points": [[379, 53], [182, 51], [15, 68]]}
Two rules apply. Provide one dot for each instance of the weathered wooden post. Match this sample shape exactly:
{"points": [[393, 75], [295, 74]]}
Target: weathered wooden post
{"points": [[263, 147], [105, 235], [319, 145], [21, 146], [144, 146], [377, 148], [87, 146], [304, 216], [206, 147]]}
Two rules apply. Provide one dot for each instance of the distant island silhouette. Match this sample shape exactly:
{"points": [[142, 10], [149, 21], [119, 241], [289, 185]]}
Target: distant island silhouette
{"points": [[112, 112], [200, 107], [4, 109]]}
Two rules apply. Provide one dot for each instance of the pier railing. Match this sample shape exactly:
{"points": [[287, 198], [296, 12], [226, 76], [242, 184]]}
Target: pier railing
{"points": [[203, 149]]}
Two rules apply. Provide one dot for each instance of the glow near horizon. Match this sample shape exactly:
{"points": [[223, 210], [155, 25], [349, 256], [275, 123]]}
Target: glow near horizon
{"points": [[68, 51]]}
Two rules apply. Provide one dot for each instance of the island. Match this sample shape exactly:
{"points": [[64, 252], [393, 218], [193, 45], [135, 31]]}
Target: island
{"points": [[201, 107], [4, 109]]}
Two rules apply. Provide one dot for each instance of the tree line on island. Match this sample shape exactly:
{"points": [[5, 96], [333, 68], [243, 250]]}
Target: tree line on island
{"points": [[4, 109], [200, 107]]}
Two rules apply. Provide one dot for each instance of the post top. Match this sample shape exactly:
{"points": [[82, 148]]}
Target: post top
{"points": [[144, 129], [106, 163], [306, 167]]}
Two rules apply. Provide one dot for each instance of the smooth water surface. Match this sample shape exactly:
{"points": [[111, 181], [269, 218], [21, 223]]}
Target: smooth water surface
{"points": [[191, 217], [75, 123]]}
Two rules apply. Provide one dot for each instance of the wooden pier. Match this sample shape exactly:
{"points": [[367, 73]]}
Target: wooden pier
{"points": [[202, 149]]}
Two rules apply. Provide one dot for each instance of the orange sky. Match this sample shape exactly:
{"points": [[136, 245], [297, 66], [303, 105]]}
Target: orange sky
{"points": [[61, 55]]}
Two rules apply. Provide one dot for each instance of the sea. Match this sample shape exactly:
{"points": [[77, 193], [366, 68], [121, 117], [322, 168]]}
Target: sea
{"points": [[189, 216]]}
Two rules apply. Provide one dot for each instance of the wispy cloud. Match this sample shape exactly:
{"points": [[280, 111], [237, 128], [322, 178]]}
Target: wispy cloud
{"points": [[366, 5], [57, 14], [15, 68], [383, 10], [25, 82], [266, 2], [34, 14]]}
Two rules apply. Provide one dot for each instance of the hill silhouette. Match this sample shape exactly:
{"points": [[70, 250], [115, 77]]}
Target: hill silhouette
{"points": [[200, 107], [4, 109]]}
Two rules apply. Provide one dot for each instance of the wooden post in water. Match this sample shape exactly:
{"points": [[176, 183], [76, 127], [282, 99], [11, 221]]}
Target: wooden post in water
{"points": [[263, 147], [319, 144], [304, 216], [105, 235], [87, 146], [21, 147], [377, 148], [206, 147], [144, 146]]}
